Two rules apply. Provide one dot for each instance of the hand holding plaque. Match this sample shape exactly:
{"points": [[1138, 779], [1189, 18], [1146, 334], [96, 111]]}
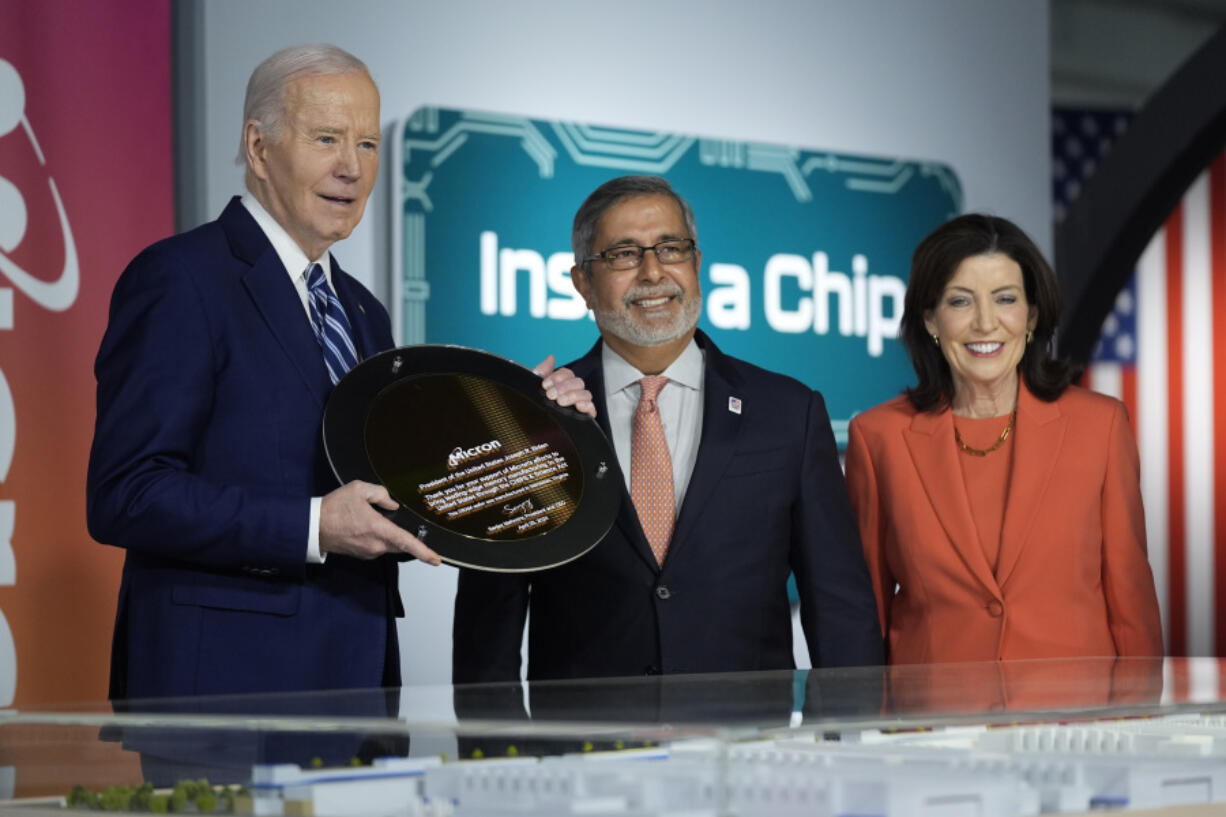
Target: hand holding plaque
{"points": [[489, 473]]}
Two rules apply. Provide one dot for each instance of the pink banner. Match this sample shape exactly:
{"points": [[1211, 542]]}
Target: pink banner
{"points": [[85, 184]]}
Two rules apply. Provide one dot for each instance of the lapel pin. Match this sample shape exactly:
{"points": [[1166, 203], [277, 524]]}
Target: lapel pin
{"points": [[734, 405], [362, 309]]}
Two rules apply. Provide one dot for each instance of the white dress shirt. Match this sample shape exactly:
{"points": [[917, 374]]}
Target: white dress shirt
{"points": [[680, 405], [296, 265]]}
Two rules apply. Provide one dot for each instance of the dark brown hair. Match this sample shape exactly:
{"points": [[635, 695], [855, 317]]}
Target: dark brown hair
{"points": [[934, 263]]}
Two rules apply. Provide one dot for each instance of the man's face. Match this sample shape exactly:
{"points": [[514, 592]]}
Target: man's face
{"points": [[316, 174], [652, 304]]}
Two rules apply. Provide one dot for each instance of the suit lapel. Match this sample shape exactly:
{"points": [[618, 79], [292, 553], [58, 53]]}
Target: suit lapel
{"points": [[363, 334], [720, 430], [1040, 433], [930, 440], [590, 368], [273, 293]]}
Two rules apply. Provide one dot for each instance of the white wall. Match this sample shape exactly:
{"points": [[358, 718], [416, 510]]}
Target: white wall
{"points": [[957, 81]]}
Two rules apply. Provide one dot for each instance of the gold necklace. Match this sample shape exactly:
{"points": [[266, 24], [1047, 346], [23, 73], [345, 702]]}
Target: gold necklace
{"points": [[983, 452]]}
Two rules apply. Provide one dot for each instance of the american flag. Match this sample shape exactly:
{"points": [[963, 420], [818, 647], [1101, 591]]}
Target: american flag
{"points": [[1163, 352]]}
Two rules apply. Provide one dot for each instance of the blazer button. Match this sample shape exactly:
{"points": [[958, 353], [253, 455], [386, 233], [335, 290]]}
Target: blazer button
{"points": [[995, 609], [651, 670], [663, 593]]}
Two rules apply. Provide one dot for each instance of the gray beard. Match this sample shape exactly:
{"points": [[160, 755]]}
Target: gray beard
{"points": [[617, 322]]}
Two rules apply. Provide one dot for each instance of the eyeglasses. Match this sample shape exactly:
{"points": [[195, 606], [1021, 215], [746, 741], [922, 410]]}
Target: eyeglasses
{"points": [[629, 256]]}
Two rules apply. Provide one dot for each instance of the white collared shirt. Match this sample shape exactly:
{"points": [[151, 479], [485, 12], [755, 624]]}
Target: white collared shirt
{"points": [[297, 265], [680, 403], [292, 257]]}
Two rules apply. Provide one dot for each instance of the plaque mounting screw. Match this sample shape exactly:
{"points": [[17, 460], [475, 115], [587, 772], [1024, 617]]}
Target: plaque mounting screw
{"points": [[602, 470], [397, 362]]}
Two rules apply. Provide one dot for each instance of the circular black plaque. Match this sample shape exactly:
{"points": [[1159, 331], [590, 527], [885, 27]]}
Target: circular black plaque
{"points": [[488, 471]]}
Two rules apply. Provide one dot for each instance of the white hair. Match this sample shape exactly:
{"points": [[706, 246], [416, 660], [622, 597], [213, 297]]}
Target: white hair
{"points": [[265, 102]]}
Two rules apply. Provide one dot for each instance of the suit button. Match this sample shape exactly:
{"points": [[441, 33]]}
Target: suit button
{"points": [[651, 670], [995, 610], [663, 593]]}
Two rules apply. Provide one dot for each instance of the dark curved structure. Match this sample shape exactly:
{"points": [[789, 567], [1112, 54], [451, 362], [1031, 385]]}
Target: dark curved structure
{"points": [[1172, 140]]}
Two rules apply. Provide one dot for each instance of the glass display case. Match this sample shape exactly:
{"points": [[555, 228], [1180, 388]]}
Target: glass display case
{"points": [[1003, 738]]}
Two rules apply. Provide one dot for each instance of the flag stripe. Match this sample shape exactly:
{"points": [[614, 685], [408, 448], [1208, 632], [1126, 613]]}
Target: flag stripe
{"points": [[1217, 234], [1198, 440], [1177, 566], [1150, 420], [1106, 378], [1128, 393]]}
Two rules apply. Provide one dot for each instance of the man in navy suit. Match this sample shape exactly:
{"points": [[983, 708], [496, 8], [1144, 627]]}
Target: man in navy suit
{"points": [[247, 567], [733, 483]]}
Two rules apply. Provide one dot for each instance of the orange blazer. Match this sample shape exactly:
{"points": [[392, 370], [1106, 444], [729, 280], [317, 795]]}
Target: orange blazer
{"points": [[1072, 578]]}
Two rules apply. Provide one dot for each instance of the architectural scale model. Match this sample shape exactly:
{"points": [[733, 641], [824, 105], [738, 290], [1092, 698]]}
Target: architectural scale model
{"points": [[1055, 768]]}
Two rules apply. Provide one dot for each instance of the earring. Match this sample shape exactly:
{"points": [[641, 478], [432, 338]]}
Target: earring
{"points": [[1029, 336], [936, 339]]}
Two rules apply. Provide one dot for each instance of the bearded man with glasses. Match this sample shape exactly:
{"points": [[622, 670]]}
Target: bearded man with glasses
{"points": [[732, 482]]}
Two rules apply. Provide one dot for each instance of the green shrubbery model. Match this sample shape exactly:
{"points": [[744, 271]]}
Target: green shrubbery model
{"points": [[188, 796]]}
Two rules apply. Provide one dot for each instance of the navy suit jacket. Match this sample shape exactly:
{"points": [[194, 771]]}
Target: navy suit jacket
{"points": [[766, 498], [206, 452]]}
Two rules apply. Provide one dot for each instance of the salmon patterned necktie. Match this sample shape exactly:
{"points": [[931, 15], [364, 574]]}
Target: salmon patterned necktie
{"points": [[651, 469]]}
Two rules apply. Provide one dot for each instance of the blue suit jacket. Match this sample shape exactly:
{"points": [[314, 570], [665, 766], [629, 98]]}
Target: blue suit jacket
{"points": [[207, 450], [766, 498]]}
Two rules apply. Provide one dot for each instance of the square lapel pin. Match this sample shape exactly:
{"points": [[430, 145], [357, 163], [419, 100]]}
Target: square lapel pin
{"points": [[734, 405]]}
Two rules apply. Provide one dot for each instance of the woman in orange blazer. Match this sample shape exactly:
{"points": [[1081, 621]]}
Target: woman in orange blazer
{"points": [[1000, 507]]}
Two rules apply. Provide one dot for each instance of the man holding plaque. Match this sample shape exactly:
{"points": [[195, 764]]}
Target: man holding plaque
{"points": [[732, 483], [247, 568]]}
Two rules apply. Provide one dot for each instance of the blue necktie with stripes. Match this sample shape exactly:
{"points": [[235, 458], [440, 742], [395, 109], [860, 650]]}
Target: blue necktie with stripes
{"points": [[330, 324]]}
